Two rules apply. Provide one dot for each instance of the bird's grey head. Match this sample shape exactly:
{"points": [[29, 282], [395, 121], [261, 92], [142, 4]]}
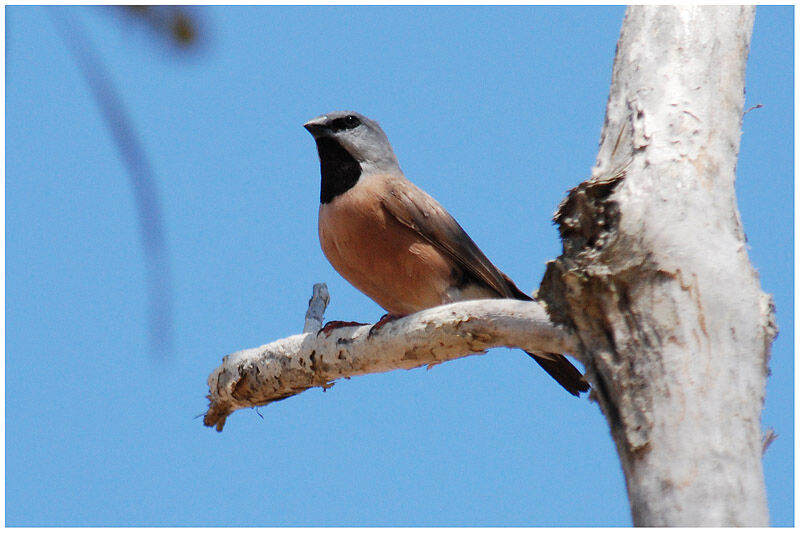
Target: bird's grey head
{"points": [[349, 146]]}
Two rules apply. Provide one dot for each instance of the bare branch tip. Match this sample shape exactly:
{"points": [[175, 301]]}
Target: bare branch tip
{"points": [[768, 438], [317, 305], [757, 106]]}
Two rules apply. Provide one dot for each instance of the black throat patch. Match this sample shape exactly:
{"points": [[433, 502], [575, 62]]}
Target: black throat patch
{"points": [[340, 171]]}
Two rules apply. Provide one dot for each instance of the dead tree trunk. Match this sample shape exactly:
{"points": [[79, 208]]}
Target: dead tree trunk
{"points": [[654, 291], [655, 279]]}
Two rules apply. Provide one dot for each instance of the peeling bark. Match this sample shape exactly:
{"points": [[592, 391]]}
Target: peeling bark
{"points": [[655, 279], [289, 366]]}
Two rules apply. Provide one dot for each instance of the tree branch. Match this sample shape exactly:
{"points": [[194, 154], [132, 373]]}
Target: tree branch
{"points": [[654, 280], [316, 308], [142, 176], [289, 366]]}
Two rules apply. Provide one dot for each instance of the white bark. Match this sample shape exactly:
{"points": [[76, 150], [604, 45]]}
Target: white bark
{"points": [[655, 281], [675, 330], [316, 308], [289, 366]]}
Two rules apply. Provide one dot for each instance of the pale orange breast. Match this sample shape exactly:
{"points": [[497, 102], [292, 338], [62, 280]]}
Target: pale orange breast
{"points": [[382, 258]]}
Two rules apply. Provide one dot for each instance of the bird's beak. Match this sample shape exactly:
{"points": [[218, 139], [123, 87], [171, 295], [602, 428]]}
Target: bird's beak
{"points": [[316, 126]]}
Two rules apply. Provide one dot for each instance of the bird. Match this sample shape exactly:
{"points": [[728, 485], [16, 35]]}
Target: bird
{"points": [[393, 241]]}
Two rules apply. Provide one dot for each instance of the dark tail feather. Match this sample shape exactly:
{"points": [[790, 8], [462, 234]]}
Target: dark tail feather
{"points": [[554, 364], [562, 371]]}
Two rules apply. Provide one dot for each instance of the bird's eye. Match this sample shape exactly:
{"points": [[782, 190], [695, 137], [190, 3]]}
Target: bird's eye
{"points": [[351, 121], [345, 123]]}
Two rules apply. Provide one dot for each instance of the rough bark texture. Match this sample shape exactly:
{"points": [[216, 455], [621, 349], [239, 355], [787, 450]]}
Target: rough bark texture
{"points": [[655, 278], [289, 366]]}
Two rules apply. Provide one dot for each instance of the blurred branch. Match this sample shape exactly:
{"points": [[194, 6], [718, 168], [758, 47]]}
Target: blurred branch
{"points": [[175, 23], [139, 169]]}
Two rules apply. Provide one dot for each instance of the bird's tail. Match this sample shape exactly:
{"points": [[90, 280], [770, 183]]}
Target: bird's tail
{"points": [[554, 364], [562, 371]]}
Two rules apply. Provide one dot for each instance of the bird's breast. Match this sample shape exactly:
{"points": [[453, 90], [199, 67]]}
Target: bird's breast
{"points": [[381, 257]]}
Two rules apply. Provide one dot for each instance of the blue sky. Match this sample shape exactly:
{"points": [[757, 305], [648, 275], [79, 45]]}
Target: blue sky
{"points": [[494, 111]]}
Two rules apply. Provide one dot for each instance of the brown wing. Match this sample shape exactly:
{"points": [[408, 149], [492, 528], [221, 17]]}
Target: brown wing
{"points": [[417, 210]]}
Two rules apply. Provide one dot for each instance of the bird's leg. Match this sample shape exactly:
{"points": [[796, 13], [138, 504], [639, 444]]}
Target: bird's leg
{"points": [[335, 324], [385, 319]]}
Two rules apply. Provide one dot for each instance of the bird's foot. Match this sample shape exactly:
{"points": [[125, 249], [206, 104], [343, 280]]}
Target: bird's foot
{"points": [[336, 324], [385, 319]]}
